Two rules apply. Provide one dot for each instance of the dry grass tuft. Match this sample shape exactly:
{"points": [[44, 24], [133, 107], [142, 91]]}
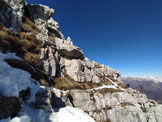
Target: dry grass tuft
{"points": [[108, 108], [68, 83], [51, 36], [110, 90], [122, 85], [98, 66], [29, 26], [25, 46], [124, 104], [105, 80], [144, 109]]}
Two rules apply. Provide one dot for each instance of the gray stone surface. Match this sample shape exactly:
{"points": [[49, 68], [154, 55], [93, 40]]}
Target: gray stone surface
{"points": [[40, 15], [126, 106], [12, 13], [50, 58]]}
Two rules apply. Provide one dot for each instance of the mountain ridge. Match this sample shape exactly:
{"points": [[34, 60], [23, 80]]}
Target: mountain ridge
{"points": [[51, 76]]}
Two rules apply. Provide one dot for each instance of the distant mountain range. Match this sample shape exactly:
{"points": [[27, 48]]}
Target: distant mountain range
{"points": [[151, 86]]}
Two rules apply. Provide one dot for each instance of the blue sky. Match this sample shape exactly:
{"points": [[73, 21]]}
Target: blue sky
{"points": [[124, 34]]}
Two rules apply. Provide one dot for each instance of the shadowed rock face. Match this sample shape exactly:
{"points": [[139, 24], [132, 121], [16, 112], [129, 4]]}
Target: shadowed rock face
{"points": [[5, 8], [12, 11], [9, 107], [73, 54], [40, 14], [40, 11]]}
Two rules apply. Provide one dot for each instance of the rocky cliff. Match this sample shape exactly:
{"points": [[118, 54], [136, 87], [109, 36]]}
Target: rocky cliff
{"points": [[50, 79]]}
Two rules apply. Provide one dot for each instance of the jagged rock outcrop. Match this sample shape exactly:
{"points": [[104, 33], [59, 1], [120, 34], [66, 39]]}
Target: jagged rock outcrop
{"points": [[12, 11], [43, 100], [40, 15], [50, 59], [67, 49], [47, 57], [87, 71]]}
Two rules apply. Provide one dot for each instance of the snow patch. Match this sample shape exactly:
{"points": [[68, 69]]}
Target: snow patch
{"points": [[17, 119], [70, 114], [13, 80], [66, 114]]}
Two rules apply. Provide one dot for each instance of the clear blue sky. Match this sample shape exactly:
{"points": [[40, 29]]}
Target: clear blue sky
{"points": [[124, 34]]}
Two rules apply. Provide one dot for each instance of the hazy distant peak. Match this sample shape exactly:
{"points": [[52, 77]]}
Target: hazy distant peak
{"points": [[148, 78]]}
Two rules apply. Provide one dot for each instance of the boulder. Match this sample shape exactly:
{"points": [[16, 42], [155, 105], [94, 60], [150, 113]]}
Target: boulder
{"points": [[43, 100], [47, 100], [67, 50]]}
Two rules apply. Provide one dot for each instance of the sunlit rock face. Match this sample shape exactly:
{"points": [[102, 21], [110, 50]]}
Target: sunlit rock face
{"points": [[114, 105], [49, 79]]}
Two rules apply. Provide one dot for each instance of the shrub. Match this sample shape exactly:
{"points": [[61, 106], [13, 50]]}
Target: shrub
{"points": [[26, 27]]}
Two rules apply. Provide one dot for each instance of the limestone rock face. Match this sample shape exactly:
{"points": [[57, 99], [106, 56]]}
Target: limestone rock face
{"points": [[87, 71], [67, 49], [40, 15], [12, 12], [115, 106], [53, 24], [51, 53], [50, 59]]}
